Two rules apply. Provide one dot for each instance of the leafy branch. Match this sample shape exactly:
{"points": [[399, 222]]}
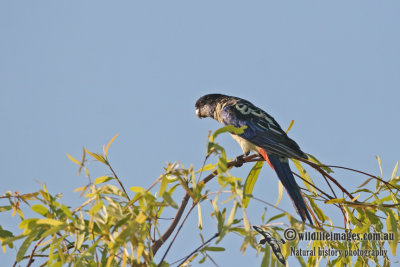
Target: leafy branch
{"points": [[113, 227]]}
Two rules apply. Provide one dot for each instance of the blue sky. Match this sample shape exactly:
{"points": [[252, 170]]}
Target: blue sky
{"points": [[75, 73]]}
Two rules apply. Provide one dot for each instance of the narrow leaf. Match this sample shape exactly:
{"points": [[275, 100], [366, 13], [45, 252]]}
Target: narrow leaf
{"points": [[380, 164], [335, 200], [5, 208], [230, 129], [214, 248], [276, 217], [167, 197], [163, 186], [200, 220], [251, 181], [395, 170], [141, 218], [102, 179], [208, 167], [73, 159], [108, 145], [49, 222], [290, 126], [305, 176], [24, 247], [42, 210], [316, 209], [232, 215], [391, 224], [96, 156], [366, 182], [315, 160], [280, 193]]}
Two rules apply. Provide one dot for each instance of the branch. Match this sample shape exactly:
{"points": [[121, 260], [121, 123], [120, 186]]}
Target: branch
{"points": [[370, 175], [176, 234], [325, 174], [158, 243]]}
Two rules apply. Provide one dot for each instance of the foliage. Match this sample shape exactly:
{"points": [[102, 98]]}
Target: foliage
{"points": [[114, 227]]}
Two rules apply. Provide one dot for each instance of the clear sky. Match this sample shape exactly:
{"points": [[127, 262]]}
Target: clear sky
{"points": [[75, 73]]}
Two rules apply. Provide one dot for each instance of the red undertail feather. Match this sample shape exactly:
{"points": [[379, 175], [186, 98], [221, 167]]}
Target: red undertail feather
{"points": [[264, 155]]}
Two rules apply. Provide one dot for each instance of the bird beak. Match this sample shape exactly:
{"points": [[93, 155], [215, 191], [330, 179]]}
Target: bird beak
{"points": [[198, 113]]}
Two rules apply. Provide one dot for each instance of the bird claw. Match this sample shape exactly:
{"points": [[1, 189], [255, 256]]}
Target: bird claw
{"points": [[239, 161]]}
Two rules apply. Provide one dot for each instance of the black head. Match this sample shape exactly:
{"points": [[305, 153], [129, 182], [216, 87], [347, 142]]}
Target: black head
{"points": [[205, 105]]}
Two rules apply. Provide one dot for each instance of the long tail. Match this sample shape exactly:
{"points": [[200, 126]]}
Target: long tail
{"points": [[282, 169]]}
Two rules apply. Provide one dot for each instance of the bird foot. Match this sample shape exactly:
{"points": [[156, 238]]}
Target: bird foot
{"points": [[239, 161]]}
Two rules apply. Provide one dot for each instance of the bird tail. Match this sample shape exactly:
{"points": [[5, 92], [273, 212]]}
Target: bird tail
{"points": [[282, 169]]}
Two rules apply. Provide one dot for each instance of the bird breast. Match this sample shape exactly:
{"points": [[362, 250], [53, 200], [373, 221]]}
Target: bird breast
{"points": [[244, 144]]}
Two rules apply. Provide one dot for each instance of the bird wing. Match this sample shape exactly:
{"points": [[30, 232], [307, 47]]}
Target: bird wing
{"points": [[262, 129]]}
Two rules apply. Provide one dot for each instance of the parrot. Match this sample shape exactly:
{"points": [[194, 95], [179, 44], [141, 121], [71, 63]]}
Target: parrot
{"points": [[263, 135]]}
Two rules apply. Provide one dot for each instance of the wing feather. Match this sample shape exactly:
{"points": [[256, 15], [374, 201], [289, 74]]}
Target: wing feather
{"points": [[262, 129]]}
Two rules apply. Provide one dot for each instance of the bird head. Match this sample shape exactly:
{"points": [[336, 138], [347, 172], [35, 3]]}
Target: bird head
{"points": [[205, 105]]}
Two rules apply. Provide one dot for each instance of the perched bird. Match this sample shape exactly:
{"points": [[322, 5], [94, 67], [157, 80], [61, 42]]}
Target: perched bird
{"points": [[263, 135]]}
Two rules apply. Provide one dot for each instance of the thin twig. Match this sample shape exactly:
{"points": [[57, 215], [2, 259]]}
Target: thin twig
{"points": [[324, 173], [157, 244], [370, 175], [177, 232], [31, 260], [197, 249], [318, 189], [119, 181]]}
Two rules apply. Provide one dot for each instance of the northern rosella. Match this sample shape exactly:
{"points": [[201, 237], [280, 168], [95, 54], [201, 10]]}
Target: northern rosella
{"points": [[263, 135]]}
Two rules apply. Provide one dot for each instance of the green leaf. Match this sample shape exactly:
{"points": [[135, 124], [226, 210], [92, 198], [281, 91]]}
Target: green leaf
{"points": [[167, 197], [305, 176], [391, 225], [214, 249], [366, 182], [53, 230], [280, 193], [137, 189], [221, 220], [290, 126], [251, 181], [395, 170], [232, 215], [5, 234], [66, 211], [95, 209], [74, 160], [163, 185], [229, 128], [351, 216], [5, 208], [79, 237], [25, 245], [57, 264], [170, 192], [380, 164], [316, 161], [28, 225], [49, 222], [108, 145], [40, 209], [316, 209], [102, 179], [208, 167], [200, 221], [266, 257], [276, 217], [96, 156], [335, 200]]}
